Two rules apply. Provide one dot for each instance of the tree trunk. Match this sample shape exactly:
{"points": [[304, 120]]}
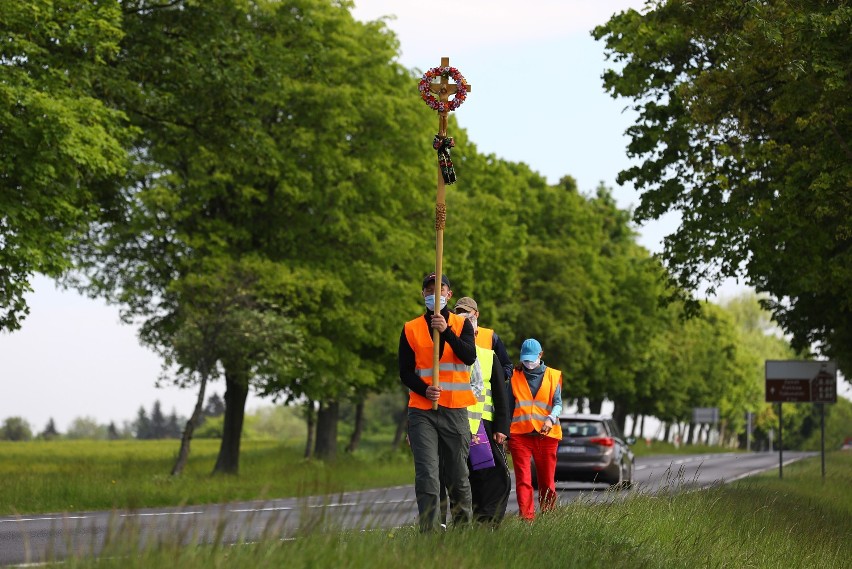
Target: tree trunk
{"points": [[236, 392], [595, 406], [326, 447], [401, 424], [355, 439], [667, 432], [189, 429], [619, 415], [660, 426], [642, 426], [310, 420]]}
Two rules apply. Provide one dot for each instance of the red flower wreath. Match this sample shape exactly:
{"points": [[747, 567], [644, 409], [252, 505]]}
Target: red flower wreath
{"points": [[430, 99]]}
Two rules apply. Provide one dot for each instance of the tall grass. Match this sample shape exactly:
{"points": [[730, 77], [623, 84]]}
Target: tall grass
{"points": [[73, 476], [797, 522]]}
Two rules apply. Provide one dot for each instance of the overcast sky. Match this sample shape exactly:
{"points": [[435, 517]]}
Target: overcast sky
{"points": [[536, 98]]}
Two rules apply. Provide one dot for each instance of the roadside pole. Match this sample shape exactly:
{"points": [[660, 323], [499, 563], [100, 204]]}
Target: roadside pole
{"points": [[748, 431], [780, 440], [822, 437]]}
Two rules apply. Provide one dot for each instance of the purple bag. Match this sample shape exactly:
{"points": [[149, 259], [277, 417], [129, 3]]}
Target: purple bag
{"points": [[480, 450]]}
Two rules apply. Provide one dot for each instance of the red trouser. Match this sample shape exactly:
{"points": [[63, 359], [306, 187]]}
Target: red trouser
{"points": [[542, 449]]}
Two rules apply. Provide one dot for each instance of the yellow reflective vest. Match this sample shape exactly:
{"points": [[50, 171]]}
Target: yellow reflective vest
{"points": [[484, 407]]}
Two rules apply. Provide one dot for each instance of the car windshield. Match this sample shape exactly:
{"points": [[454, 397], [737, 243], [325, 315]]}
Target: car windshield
{"points": [[581, 429]]}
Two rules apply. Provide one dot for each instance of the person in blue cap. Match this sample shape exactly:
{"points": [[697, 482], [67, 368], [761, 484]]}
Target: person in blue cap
{"points": [[535, 398]]}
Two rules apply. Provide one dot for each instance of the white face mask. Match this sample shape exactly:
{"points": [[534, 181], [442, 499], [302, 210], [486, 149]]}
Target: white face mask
{"points": [[533, 364], [470, 318], [430, 302]]}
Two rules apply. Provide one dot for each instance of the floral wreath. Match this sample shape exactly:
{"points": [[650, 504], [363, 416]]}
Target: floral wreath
{"points": [[459, 96]]}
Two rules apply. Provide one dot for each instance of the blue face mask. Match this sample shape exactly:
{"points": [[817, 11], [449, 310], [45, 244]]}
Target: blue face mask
{"points": [[430, 302]]}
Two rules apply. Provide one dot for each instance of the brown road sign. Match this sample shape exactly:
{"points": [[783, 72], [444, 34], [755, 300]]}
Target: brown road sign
{"points": [[791, 381], [788, 390], [824, 388]]}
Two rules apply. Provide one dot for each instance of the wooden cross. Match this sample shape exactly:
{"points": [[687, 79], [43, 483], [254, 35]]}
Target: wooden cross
{"points": [[443, 90]]}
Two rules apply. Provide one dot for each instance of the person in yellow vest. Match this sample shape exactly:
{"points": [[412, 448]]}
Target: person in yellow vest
{"points": [[535, 398], [439, 439], [485, 337], [490, 485]]}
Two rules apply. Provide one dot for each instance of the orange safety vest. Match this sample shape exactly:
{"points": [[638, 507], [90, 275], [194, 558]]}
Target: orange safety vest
{"points": [[530, 412], [453, 373], [485, 338]]}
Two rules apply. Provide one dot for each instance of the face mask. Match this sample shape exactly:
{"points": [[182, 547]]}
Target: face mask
{"points": [[473, 323], [532, 365], [430, 302]]}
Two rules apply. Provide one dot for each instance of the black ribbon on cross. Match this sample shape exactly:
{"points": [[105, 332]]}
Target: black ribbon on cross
{"points": [[443, 144]]}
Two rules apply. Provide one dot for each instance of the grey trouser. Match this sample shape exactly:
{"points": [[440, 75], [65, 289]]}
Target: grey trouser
{"points": [[444, 433]]}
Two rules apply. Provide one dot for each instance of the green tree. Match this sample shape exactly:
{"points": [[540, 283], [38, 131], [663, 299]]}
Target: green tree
{"points": [[86, 428], [61, 148], [759, 339], [743, 127], [588, 292], [112, 432], [49, 433], [558, 289], [486, 236], [142, 425], [15, 429], [262, 155], [214, 407], [838, 418], [157, 422]]}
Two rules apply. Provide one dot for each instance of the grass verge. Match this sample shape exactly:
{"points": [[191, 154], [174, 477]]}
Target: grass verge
{"points": [[74, 476], [763, 522]]}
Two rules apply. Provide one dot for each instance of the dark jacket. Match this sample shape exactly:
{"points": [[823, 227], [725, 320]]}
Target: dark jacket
{"points": [[502, 414], [500, 350]]}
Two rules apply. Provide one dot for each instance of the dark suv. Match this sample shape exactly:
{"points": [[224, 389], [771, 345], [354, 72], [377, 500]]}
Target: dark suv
{"points": [[593, 449]]}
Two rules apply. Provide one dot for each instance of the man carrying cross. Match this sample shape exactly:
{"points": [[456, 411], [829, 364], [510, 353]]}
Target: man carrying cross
{"points": [[439, 438]]}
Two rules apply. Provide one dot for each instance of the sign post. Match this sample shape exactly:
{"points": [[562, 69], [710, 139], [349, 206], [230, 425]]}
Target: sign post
{"points": [[792, 381], [822, 436], [705, 415], [780, 440], [749, 415]]}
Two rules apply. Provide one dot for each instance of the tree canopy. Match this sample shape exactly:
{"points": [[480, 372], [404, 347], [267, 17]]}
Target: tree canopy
{"points": [[743, 128], [61, 146]]}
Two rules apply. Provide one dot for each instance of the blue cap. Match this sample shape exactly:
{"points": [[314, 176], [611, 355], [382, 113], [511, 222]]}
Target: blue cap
{"points": [[530, 350]]}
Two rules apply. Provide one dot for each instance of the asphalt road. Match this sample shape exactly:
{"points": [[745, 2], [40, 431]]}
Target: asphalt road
{"points": [[41, 537]]}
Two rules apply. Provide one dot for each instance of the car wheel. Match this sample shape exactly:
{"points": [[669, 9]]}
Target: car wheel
{"points": [[628, 482], [620, 483]]}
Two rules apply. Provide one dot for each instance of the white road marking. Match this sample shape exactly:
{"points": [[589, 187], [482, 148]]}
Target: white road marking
{"points": [[263, 509], [160, 514], [47, 518]]}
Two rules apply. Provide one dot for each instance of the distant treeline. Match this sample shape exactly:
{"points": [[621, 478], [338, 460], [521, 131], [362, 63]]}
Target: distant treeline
{"points": [[147, 425]]}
